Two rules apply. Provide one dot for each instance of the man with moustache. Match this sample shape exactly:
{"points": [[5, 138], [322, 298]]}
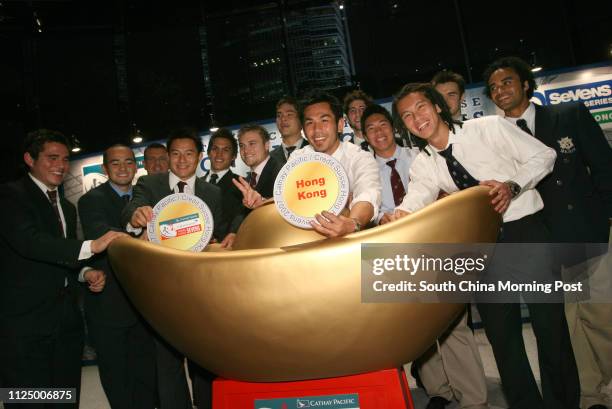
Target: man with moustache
{"points": [[321, 115], [185, 152], [290, 128], [41, 329], [492, 152], [577, 202], [124, 346], [155, 159]]}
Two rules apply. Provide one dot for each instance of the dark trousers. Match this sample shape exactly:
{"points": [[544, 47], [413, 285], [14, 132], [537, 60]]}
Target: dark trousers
{"points": [[45, 361], [171, 377], [503, 326], [202, 386], [126, 363]]}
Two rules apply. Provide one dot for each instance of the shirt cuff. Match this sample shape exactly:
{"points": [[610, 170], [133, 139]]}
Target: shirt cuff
{"points": [[82, 273], [364, 197], [85, 252], [134, 230]]}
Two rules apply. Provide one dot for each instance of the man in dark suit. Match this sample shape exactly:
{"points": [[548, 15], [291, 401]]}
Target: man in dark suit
{"points": [[222, 151], [41, 331], [123, 342], [577, 199], [185, 153], [354, 104], [254, 142], [289, 125]]}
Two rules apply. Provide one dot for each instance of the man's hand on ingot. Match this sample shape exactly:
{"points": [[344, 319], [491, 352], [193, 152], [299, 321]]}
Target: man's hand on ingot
{"points": [[330, 225], [502, 196], [251, 198], [101, 243]]}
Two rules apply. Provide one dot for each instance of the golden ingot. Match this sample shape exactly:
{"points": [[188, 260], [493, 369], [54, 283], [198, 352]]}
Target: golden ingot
{"points": [[293, 311]]}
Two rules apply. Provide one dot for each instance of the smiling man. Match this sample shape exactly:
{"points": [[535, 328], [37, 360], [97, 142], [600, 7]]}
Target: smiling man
{"points": [[123, 343], [452, 87], [254, 142], [492, 152], [41, 330], [355, 103], [185, 153]]}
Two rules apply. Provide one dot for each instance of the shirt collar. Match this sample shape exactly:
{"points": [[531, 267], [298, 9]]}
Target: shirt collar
{"points": [[120, 192], [396, 155], [297, 145], [453, 138], [528, 115], [173, 180], [40, 184], [259, 168], [219, 174]]}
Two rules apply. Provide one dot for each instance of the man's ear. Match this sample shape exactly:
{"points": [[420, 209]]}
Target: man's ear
{"points": [[525, 86], [267, 146], [28, 159], [341, 124]]}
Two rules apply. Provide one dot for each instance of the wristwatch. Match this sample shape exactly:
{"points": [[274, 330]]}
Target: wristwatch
{"points": [[357, 225], [515, 189]]}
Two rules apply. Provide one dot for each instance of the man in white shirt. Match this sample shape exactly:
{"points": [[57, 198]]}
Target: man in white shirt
{"points": [[492, 152], [321, 115]]}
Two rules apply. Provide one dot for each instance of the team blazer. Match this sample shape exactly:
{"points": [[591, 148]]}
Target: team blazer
{"points": [[577, 194]]}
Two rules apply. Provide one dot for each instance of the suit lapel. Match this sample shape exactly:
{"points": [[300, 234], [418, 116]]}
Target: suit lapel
{"points": [[42, 203], [545, 124]]}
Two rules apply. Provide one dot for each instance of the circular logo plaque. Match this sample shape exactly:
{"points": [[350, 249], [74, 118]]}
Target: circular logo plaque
{"points": [[309, 184], [181, 221]]}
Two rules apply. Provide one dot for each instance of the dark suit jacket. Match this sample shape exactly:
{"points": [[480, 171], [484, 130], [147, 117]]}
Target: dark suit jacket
{"points": [[279, 154], [100, 211], [233, 209], [265, 181], [35, 260], [578, 193], [150, 189]]}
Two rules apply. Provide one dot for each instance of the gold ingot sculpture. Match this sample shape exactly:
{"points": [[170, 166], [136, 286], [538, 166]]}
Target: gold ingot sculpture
{"points": [[285, 304]]}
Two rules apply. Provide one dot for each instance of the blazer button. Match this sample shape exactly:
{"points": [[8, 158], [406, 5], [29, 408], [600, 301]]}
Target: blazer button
{"points": [[559, 182], [570, 207]]}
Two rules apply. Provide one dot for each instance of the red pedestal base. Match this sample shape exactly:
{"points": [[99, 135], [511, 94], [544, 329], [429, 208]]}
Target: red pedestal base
{"points": [[382, 389]]}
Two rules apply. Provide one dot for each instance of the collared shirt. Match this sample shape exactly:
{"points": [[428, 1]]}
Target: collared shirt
{"points": [[259, 168], [297, 146], [219, 174], [85, 251], [490, 148], [120, 192], [190, 188], [528, 115], [405, 157], [362, 172]]}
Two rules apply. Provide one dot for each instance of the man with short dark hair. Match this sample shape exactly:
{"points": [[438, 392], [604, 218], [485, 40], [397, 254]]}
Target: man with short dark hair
{"points": [[41, 330], [124, 346], [452, 87], [185, 153], [355, 102], [577, 199], [290, 128], [155, 159], [489, 151]]}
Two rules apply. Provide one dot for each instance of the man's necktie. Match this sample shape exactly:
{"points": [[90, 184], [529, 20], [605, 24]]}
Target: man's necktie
{"points": [[521, 123], [252, 179], [213, 178], [53, 199], [397, 187], [460, 175], [290, 150], [181, 186], [365, 146]]}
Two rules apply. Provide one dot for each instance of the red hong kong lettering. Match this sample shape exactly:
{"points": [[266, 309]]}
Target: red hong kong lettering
{"points": [[301, 195], [300, 183]]}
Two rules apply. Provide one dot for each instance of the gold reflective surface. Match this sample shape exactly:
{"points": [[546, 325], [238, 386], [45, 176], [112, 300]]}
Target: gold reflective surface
{"points": [[275, 309]]}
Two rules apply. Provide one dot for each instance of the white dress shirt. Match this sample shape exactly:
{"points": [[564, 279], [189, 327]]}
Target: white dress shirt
{"points": [[405, 157], [189, 188], [259, 168], [85, 251], [219, 174], [489, 148], [362, 171], [528, 115]]}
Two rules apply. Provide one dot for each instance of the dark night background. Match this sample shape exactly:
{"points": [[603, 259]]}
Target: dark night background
{"points": [[99, 70]]}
